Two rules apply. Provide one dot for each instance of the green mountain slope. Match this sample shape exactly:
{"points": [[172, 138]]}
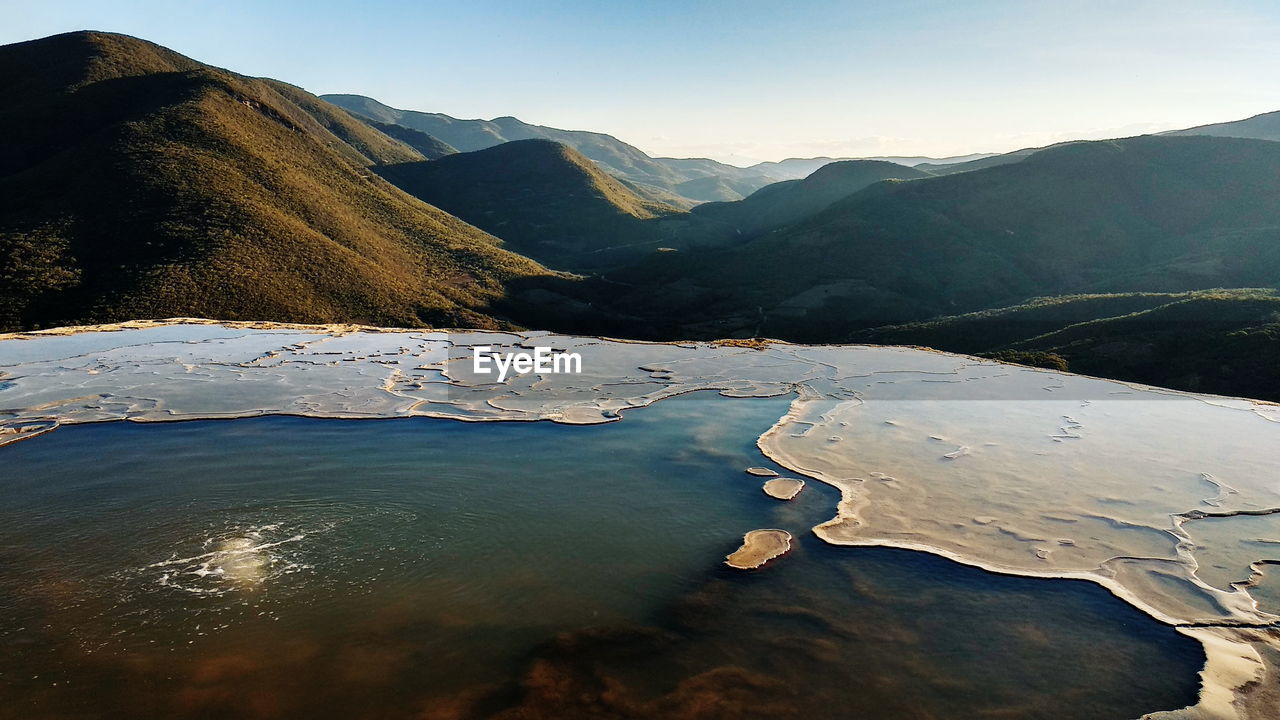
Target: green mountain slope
{"points": [[431, 148], [790, 201], [551, 203], [710, 189], [1000, 328], [141, 184], [545, 199], [1217, 341], [1147, 213]]}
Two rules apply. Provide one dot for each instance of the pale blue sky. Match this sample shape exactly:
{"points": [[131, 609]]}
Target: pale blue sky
{"points": [[744, 80]]}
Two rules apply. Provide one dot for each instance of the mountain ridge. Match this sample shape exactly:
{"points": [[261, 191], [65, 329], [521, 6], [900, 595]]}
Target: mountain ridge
{"points": [[615, 156], [1263, 126], [790, 201]]}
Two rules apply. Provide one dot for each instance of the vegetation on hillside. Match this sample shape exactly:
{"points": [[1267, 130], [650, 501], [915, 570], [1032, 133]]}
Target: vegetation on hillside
{"points": [[1144, 214], [1217, 341], [543, 198], [142, 184]]}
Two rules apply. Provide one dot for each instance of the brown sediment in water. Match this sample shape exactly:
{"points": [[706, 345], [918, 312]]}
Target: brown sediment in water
{"points": [[762, 472], [783, 488], [1047, 489], [573, 678], [758, 548]]}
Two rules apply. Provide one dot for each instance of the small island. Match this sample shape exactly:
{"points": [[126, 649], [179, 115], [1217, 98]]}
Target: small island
{"points": [[783, 488], [758, 548]]}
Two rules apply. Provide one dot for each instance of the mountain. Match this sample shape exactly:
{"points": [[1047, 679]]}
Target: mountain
{"points": [[659, 195], [784, 203], [614, 156], [712, 189], [796, 168], [430, 147], [464, 135], [139, 183], [1142, 214], [914, 160], [1259, 127], [715, 181], [548, 201], [1217, 341], [545, 199], [983, 162]]}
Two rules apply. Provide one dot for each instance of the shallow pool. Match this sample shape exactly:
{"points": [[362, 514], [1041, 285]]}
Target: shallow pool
{"points": [[418, 568]]}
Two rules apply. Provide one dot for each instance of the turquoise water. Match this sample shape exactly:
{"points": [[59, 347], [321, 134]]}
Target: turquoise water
{"points": [[281, 567]]}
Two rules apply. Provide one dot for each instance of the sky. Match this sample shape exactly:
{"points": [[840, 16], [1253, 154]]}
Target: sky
{"points": [[743, 81]]}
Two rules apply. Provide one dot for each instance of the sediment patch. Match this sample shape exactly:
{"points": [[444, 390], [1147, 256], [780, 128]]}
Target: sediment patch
{"points": [[758, 548], [783, 488]]}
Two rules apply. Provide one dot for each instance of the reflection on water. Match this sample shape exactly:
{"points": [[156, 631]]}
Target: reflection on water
{"points": [[434, 569], [238, 560]]}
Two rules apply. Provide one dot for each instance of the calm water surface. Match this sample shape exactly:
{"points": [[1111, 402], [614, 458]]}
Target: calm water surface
{"points": [[415, 568]]}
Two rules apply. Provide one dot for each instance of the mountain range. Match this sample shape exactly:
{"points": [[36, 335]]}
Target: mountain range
{"points": [[141, 183], [612, 155], [1140, 214], [678, 181]]}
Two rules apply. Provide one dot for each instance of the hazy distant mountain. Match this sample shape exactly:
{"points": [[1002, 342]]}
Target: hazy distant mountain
{"points": [[986, 161], [734, 183], [139, 183], [796, 168], [1146, 213], [543, 198], [1259, 127], [774, 206], [914, 160], [613, 155]]}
